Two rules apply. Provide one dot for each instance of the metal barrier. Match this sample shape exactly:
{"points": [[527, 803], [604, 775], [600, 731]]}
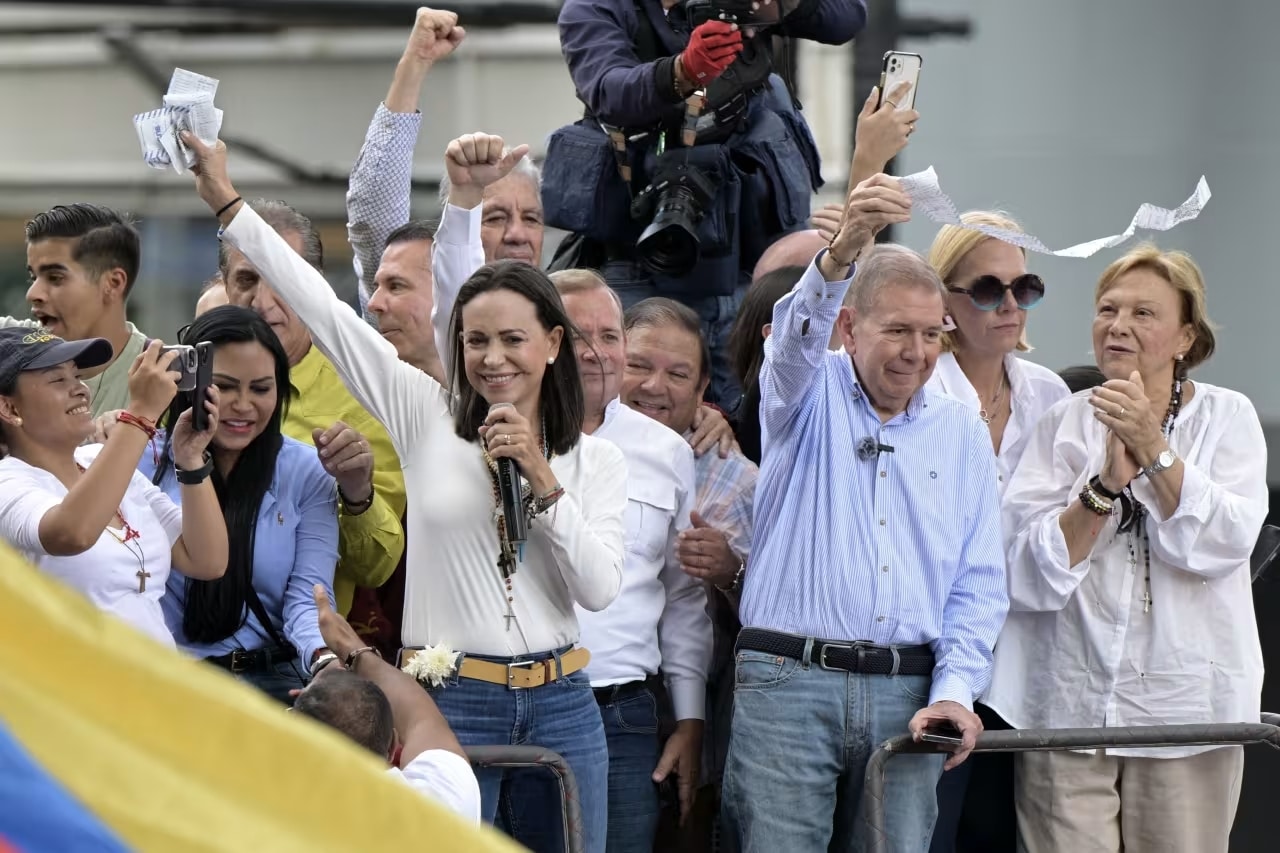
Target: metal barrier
{"points": [[1049, 740], [502, 757]]}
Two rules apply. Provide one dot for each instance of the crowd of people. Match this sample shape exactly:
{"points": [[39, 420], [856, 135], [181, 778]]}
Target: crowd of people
{"points": [[889, 521]]}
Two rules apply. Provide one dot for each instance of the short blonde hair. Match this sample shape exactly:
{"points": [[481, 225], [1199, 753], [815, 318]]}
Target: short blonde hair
{"points": [[583, 281], [953, 244], [1184, 275]]}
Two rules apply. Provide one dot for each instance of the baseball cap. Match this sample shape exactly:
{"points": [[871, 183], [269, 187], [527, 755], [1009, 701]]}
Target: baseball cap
{"points": [[23, 349]]}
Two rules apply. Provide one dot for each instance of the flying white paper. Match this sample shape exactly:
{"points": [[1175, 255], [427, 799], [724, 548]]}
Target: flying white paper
{"points": [[188, 105], [928, 198]]}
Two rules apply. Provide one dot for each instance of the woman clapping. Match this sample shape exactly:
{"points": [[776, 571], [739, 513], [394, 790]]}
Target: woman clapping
{"points": [[1130, 521]]}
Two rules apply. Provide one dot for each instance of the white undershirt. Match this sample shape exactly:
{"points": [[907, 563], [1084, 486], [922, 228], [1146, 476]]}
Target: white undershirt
{"points": [[106, 574], [446, 778]]}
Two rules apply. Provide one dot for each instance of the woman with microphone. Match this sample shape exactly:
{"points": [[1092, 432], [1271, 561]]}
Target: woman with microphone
{"points": [[489, 623]]}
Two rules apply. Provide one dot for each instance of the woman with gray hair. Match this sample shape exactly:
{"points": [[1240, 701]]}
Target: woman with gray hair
{"points": [[1129, 525]]}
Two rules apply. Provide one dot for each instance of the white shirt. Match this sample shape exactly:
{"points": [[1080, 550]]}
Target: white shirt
{"points": [[106, 574], [454, 593], [1033, 389], [1077, 649], [659, 618], [445, 777]]}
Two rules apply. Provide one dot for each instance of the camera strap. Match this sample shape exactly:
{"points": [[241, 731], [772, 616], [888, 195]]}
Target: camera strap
{"points": [[693, 107]]}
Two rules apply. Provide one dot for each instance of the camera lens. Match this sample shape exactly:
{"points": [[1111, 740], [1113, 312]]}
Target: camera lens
{"points": [[669, 246]]}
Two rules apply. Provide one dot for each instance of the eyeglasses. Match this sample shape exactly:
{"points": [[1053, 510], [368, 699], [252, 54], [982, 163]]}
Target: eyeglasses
{"points": [[987, 291]]}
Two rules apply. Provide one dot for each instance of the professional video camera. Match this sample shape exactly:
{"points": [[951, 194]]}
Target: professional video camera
{"points": [[751, 15], [677, 199]]}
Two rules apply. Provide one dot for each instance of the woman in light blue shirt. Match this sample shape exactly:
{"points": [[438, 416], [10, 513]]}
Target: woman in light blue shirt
{"points": [[259, 620]]}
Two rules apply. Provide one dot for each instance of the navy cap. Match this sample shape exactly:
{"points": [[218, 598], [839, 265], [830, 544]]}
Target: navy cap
{"points": [[23, 349]]}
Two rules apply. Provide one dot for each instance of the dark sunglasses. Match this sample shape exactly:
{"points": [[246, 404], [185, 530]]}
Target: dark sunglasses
{"points": [[987, 292]]}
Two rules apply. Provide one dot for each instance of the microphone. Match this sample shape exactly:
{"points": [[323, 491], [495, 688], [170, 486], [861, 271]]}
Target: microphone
{"points": [[509, 494], [869, 448]]}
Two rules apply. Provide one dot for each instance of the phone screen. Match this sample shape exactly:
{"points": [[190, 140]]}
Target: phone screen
{"points": [[942, 734]]}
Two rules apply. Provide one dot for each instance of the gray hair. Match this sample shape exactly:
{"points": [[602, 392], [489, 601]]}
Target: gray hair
{"points": [[525, 167], [284, 219], [886, 266]]}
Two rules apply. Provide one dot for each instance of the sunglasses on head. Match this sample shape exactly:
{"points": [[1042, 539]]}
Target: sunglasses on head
{"points": [[987, 292]]}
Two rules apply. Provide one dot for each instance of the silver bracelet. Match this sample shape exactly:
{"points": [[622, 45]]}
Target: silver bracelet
{"points": [[737, 579]]}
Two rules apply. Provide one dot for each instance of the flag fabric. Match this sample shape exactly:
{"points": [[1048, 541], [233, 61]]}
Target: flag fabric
{"points": [[111, 742]]}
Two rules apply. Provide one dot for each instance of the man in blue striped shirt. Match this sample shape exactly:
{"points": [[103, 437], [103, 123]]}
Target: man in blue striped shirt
{"points": [[877, 586]]}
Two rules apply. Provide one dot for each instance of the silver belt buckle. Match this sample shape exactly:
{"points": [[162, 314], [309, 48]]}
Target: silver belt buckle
{"points": [[511, 685], [822, 657]]}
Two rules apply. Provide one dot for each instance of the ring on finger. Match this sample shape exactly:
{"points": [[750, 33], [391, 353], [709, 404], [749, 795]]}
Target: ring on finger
{"points": [[1121, 412]]}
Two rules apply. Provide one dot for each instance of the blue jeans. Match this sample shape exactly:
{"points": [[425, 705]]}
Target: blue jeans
{"points": [[277, 680], [631, 282], [798, 753], [631, 728], [561, 716]]}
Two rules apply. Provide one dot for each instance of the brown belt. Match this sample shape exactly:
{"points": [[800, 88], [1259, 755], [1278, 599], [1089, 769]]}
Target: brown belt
{"points": [[516, 676]]}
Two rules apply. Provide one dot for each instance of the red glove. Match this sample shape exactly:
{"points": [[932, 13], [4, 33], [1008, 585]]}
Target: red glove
{"points": [[712, 48]]}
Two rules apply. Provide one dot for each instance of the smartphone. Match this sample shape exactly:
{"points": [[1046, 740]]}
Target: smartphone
{"points": [[184, 361], [204, 378], [943, 734], [899, 67]]}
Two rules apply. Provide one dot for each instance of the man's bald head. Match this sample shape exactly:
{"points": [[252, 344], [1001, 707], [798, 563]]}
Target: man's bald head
{"points": [[213, 296], [793, 250]]}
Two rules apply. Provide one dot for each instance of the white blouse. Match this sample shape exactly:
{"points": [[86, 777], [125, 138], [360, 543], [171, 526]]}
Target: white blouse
{"points": [[108, 573], [1033, 389], [1078, 650], [454, 592]]}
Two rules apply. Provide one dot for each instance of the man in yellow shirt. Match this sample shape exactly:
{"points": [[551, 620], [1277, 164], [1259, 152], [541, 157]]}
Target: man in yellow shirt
{"points": [[355, 448]]}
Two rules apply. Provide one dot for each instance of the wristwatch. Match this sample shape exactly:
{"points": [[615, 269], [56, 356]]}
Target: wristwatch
{"points": [[321, 662], [1163, 462]]}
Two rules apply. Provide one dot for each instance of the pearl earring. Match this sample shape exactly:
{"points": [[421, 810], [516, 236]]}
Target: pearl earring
{"points": [[17, 422], [551, 361]]}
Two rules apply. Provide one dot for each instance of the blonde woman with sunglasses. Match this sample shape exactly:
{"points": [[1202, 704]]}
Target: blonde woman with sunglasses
{"points": [[989, 293]]}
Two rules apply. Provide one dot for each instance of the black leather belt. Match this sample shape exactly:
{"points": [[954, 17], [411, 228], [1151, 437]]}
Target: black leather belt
{"points": [[618, 692], [860, 657], [254, 661]]}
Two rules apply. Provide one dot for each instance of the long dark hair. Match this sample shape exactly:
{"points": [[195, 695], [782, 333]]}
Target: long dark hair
{"points": [[746, 349], [216, 609], [563, 406]]}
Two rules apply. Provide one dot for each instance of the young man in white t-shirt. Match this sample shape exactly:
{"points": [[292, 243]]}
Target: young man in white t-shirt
{"points": [[386, 711]]}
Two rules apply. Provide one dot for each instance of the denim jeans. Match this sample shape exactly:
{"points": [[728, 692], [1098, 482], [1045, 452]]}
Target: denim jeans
{"points": [[562, 717], [631, 282], [631, 728], [798, 752], [278, 679]]}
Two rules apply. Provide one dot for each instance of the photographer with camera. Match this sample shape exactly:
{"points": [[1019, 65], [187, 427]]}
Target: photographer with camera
{"points": [[692, 156]]}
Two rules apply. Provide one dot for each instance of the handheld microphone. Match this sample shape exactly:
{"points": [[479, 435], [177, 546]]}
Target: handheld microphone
{"points": [[509, 494], [869, 448]]}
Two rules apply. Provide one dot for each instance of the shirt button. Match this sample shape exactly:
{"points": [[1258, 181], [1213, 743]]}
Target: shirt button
{"points": [[884, 568], [879, 618], [1000, 477], [883, 474], [882, 522]]}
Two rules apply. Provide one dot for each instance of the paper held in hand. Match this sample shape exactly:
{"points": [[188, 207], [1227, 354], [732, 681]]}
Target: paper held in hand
{"points": [[188, 105], [928, 198]]}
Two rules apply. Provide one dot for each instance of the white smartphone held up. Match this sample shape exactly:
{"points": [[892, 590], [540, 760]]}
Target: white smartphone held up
{"points": [[899, 67]]}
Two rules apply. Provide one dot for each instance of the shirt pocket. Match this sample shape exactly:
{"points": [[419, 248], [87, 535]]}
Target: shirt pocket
{"points": [[650, 510]]}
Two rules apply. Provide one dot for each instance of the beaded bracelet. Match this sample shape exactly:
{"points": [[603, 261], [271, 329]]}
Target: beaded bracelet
{"points": [[1094, 502]]}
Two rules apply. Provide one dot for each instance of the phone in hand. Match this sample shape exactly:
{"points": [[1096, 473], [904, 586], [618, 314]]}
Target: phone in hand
{"points": [[184, 361], [900, 67], [203, 379], [943, 733]]}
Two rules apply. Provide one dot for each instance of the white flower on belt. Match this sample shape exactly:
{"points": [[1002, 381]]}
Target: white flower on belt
{"points": [[432, 665]]}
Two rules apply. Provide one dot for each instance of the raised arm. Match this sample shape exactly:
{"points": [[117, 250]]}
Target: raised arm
{"points": [[201, 551], [826, 21], [378, 193], [804, 318], [473, 162], [403, 398]]}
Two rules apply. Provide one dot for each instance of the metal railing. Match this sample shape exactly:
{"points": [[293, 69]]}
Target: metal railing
{"points": [[533, 756], [1051, 740]]}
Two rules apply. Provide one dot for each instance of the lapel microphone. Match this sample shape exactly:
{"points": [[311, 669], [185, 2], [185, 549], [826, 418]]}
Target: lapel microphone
{"points": [[869, 449]]}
